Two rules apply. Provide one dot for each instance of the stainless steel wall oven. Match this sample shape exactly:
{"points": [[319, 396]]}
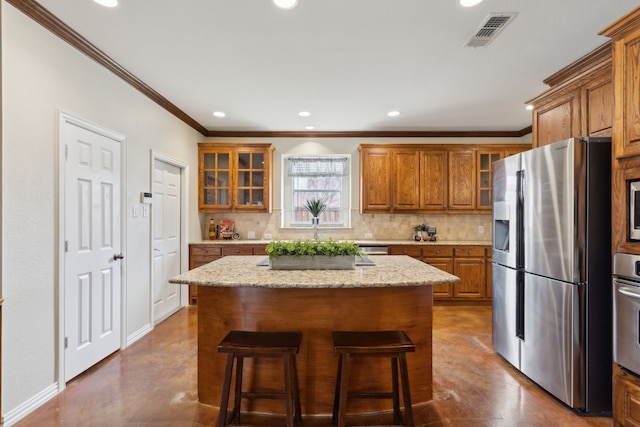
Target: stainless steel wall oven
{"points": [[626, 311]]}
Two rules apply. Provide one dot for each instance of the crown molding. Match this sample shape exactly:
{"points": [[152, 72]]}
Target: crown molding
{"points": [[371, 134]]}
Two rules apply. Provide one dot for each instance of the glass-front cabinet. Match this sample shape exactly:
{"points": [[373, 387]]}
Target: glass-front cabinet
{"points": [[485, 178], [234, 178]]}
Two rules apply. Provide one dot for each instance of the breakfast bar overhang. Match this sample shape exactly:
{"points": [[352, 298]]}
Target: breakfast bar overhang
{"points": [[237, 294]]}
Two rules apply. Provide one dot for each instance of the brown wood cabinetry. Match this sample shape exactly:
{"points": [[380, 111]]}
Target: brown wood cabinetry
{"points": [[442, 258], [462, 180], [204, 253], [234, 178], [579, 103], [429, 178], [625, 34], [626, 70], [393, 179], [626, 398], [433, 180], [469, 263]]}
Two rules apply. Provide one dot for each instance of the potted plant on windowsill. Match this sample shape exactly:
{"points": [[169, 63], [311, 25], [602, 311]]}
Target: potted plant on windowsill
{"points": [[315, 208], [312, 255]]}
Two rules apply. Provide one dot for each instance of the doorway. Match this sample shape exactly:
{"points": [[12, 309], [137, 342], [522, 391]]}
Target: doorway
{"points": [[91, 244], [167, 244]]}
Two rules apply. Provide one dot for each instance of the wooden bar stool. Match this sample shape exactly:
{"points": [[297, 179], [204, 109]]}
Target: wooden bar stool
{"points": [[242, 344], [392, 344]]}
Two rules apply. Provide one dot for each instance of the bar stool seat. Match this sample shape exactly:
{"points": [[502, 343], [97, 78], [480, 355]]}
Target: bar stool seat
{"points": [[391, 344], [242, 344]]}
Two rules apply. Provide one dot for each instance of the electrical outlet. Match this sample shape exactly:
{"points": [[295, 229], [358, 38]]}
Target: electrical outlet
{"points": [[251, 234], [481, 229], [267, 236], [368, 236]]}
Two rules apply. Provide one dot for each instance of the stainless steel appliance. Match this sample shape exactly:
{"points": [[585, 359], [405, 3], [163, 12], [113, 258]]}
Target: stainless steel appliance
{"points": [[634, 210], [626, 311], [551, 269]]}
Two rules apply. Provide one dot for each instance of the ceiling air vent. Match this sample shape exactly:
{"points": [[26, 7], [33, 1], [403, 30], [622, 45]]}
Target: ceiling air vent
{"points": [[490, 28]]}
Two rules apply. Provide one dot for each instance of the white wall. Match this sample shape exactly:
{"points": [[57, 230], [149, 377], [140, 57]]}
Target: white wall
{"points": [[42, 75]]}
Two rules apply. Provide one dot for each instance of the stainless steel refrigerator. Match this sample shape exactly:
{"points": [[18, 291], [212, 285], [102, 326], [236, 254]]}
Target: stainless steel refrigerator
{"points": [[552, 314]]}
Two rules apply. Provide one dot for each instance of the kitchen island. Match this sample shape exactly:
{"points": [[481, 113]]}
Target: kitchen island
{"points": [[237, 294]]}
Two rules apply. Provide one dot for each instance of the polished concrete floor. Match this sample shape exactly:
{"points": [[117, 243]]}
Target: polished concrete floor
{"points": [[153, 383]]}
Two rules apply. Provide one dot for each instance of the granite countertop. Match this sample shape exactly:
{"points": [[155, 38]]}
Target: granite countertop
{"points": [[359, 242], [388, 271]]}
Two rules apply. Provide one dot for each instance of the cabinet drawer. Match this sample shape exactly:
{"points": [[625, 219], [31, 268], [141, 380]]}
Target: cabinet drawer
{"points": [[412, 251], [237, 250], [205, 251], [260, 250], [469, 251], [437, 252]]}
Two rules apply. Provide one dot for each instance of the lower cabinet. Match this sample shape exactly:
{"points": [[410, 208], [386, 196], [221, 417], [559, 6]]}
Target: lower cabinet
{"points": [[470, 263], [626, 398], [204, 253]]}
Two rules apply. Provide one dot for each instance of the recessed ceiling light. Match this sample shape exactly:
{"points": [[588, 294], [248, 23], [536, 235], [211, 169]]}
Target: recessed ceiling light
{"points": [[304, 114], [286, 4], [107, 3], [393, 113], [529, 107], [469, 3], [219, 114], [309, 127]]}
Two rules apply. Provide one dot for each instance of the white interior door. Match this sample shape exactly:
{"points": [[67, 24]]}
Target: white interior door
{"points": [[92, 267], [166, 238]]}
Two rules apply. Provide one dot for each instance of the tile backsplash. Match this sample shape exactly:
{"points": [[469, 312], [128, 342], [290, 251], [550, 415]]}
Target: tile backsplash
{"points": [[380, 226]]}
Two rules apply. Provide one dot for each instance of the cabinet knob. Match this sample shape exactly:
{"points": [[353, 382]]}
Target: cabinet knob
{"points": [[437, 252], [469, 251]]}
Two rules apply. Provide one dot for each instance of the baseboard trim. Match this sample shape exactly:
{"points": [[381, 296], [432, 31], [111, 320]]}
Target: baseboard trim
{"points": [[30, 405], [139, 334]]}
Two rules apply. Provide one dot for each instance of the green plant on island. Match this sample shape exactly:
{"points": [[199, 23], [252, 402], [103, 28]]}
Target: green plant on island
{"points": [[296, 248], [315, 207]]}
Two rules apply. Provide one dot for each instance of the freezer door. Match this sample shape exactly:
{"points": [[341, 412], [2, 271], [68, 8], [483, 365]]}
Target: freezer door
{"points": [[553, 352], [505, 209], [505, 313], [550, 234]]}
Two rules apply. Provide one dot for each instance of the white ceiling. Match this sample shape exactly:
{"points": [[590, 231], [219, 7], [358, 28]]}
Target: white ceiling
{"points": [[348, 62]]}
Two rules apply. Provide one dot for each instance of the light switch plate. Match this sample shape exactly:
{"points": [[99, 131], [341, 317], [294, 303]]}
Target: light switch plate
{"points": [[251, 234], [145, 211]]}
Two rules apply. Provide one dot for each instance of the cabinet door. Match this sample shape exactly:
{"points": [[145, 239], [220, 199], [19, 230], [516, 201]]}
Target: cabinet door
{"points": [[472, 274], [598, 102], [626, 399], [484, 191], [406, 171], [376, 180], [626, 65], [462, 180], [433, 184], [215, 180], [557, 119], [443, 290], [251, 180]]}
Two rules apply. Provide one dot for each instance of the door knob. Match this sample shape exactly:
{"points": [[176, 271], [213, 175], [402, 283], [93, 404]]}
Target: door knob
{"points": [[118, 256]]}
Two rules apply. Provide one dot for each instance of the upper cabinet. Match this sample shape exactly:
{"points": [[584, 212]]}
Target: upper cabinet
{"points": [[429, 178], [579, 103], [392, 179], [234, 178], [625, 34]]}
